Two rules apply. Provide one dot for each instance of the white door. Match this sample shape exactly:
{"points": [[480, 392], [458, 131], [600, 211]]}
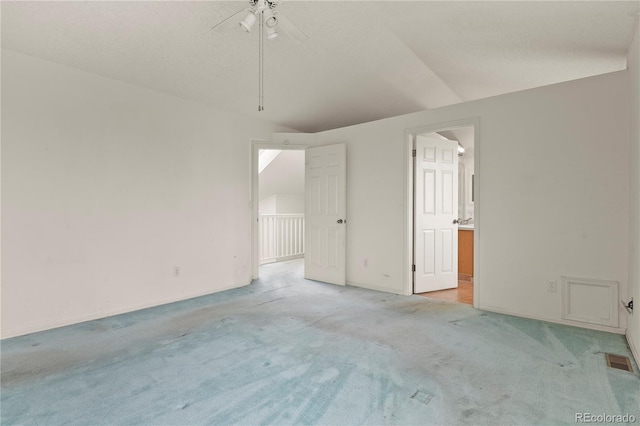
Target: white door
{"points": [[325, 211], [435, 212]]}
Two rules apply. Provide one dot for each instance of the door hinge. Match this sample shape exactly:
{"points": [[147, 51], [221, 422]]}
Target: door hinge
{"points": [[413, 153], [414, 268]]}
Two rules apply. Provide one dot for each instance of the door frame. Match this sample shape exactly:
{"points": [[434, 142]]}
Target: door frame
{"points": [[256, 146], [409, 137]]}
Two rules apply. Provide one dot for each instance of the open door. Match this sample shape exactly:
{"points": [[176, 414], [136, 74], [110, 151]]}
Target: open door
{"points": [[435, 214], [325, 211]]}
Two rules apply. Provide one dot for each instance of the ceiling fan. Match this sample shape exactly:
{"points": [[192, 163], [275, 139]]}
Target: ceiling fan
{"points": [[273, 20], [270, 21]]}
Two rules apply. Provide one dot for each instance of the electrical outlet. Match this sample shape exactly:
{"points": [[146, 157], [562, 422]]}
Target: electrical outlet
{"points": [[176, 271], [552, 286], [365, 262]]}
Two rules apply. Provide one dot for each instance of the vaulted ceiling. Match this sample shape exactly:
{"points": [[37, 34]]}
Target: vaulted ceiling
{"points": [[362, 61]]}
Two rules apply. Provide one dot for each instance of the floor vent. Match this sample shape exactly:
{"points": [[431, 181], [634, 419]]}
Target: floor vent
{"points": [[423, 397], [619, 362]]}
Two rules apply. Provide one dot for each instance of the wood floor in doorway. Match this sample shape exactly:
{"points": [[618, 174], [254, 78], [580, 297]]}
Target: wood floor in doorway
{"points": [[462, 294]]}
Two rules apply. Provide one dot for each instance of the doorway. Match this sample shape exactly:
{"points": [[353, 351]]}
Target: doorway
{"points": [[447, 242], [278, 203], [281, 204], [324, 224]]}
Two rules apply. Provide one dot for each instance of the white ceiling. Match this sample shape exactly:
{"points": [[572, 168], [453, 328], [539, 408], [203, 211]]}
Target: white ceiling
{"points": [[363, 60]]}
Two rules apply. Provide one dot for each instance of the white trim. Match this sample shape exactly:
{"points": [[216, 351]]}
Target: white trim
{"points": [[34, 328], [577, 324], [634, 349], [409, 134], [256, 146], [408, 215], [374, 288], [283, 259]]}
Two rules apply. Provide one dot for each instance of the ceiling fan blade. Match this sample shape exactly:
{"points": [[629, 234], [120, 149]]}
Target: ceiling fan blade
{"points": [[291, 29], [227, 18]]}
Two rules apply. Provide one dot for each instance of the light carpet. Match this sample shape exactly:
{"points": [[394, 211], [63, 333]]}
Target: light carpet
{"points": [[286, 350]]}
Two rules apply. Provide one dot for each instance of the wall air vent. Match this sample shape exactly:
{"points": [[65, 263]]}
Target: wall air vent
{"points": [[590, 300]]}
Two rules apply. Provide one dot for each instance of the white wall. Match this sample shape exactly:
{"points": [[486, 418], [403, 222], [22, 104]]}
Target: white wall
{"points": [[633, 65], [551, 185], [268, 205], [290, 203], [281, 184], [107, 187], [282, 204], [283, 175]]}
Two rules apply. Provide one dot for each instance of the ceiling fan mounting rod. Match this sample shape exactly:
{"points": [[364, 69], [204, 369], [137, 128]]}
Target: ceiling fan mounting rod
{"points": [[260, 6], [261, 67]]}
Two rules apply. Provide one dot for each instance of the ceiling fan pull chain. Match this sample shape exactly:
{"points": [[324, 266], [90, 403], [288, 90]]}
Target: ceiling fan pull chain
{"points": [[262, 63], [259, 68]]}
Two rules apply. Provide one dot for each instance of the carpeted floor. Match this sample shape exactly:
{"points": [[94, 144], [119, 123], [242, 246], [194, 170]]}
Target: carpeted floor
{"points": [[285, 350]]}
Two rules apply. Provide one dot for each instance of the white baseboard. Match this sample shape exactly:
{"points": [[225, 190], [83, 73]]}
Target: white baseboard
{"points": [[34, 328], [634, 348], [377, 288], [578, 324], [281, 259]]}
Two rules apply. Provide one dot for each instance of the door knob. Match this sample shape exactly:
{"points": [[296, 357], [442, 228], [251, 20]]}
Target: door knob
{"points": [[340, 220]]}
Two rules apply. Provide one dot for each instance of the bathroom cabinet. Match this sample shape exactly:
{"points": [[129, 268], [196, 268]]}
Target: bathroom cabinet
{"points": [[465, 252]]}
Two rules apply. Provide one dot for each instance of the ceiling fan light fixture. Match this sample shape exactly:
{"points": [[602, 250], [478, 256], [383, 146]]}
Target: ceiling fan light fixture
{"points": [[270, 24], [248, 21], [271, 33], [270, 19]]}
